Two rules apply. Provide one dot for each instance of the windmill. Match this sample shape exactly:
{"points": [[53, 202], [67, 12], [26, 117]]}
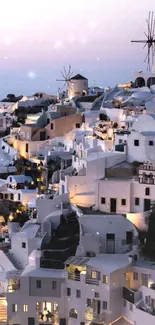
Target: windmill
{"points": [[149, 42], [66, 76]]}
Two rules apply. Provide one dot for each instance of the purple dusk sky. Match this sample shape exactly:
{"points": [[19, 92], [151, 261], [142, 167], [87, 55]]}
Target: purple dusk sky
{"points": [[38, 37]]}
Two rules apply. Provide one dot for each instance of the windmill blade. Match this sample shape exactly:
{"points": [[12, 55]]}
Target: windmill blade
{"points": [[71, 75], [151, 27], [63, 75], [145, 45], [146, 35], [153, 32], [147, 55], [59, 79], [149, 31], [65, 72], [149, 23], [69, 70], [63, 87], [141, 41]]}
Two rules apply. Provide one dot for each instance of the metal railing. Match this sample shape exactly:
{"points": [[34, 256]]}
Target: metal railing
{"points": [[92, 281], [73, 276], [99, 317]]}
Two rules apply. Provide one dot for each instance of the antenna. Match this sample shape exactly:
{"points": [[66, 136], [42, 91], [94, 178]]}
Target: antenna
{"points": [[149, 42]]}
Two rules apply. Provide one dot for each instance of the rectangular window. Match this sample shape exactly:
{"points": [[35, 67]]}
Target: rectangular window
{"points": [[38, 305], [77, 125], [11, 197], [105, 304], [147, 191], [129, 237], [38, 284], [27, 147], [78, 294], [51, 126], [88, 302], [136, 200], [55, 306], [25, 308], [150, 143], [54, 285], [124, 303], [97, 295], [94, 275], [105, 279], [14, 308], [135, 275], [136, 143], [68, 291], [18, 196], [102, 200], [31, 321], [23, 245], [123, 202], [131, 307]]}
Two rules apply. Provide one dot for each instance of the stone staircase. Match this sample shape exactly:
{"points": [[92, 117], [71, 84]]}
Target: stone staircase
{"points": [[12, 260], [3, 310]]}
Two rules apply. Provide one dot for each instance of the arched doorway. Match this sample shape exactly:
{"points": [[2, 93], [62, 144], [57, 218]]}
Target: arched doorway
{"points": [[140, 82], [150, 81], [84, 93]]}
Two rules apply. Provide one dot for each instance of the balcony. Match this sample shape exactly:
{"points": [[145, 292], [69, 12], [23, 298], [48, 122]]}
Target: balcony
{"points": [[99, 318], [73, 276], [147, 308], [92, 281], [131, 295]]}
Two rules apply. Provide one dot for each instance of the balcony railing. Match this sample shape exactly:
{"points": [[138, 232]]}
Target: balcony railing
{"points": [[73, 276], [99, 317], [92, 281]]}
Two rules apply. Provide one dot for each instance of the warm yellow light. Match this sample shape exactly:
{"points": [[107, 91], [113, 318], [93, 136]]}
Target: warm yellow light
{"points": [[10, 217]]}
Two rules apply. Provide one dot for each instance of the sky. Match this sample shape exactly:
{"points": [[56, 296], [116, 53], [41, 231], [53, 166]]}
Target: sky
{"points": [[37, 38]]}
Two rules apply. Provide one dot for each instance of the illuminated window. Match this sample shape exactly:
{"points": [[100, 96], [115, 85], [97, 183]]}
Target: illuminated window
{"points": [[14, 308], [25, 308], [135, 275], [105, 279], [97, 295], [88, 302], [38, 305], [73, 313], [93, 274], [55, 306]]}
